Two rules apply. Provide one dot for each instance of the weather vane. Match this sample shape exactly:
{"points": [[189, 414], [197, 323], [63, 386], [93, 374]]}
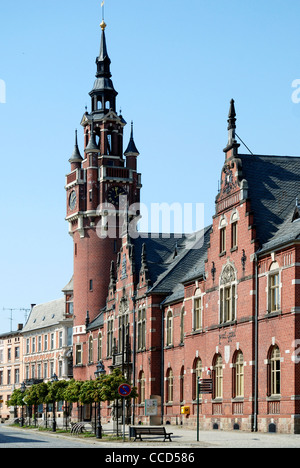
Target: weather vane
{"points": [[103, 25]]}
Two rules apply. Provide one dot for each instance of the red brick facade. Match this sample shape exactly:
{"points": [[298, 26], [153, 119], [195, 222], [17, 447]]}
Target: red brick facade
{"points": [[168, 314]]}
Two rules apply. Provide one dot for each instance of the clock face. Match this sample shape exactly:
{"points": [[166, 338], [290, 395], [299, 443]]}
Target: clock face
{"points": [[72, 200], [114, 193]]}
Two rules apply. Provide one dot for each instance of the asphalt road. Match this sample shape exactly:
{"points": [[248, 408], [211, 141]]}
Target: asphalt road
{"points": [[11, 437]]}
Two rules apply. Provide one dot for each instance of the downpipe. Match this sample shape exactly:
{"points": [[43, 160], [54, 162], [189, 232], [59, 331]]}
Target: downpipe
{"points": [[255, 425]]}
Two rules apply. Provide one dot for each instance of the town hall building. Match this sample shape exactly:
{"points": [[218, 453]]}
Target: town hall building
{"points": [[223, 305]]}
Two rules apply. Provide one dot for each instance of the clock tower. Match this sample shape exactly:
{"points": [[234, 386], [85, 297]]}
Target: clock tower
{"points": [[98, 177]]}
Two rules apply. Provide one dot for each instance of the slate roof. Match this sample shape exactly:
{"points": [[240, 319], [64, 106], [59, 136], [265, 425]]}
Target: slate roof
{"points": [[45, 315], [289, 231], [274, 185], [98, 322], [173, 260]]}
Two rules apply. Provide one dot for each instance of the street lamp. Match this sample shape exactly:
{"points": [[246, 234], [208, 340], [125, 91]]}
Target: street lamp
{"points": [[100, 371], [22, 390], [54, 379]]}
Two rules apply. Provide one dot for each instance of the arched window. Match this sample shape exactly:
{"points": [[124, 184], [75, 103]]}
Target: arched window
{"points": [[274, 288], [141, 329], [234, 229], [197, 374], [182, 384], [218, 376], [182, 326], [238, 372], [100, 347], [228, 294], [123, 322], [274, 371], [169, 336], [99, 103], [170, 383], [110, 336], [222, 228], [90, 349], [197, 311], [141, 387]]}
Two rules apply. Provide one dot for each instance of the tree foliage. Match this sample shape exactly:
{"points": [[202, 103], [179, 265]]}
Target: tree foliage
{"points": [[104, 388]]}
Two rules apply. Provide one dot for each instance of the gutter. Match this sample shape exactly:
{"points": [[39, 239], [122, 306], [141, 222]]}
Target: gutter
{"points": [[255, 414], [162, 387], [134, 356]]}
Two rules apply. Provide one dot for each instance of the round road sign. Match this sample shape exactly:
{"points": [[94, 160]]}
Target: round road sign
{"points": [[124, 390]]}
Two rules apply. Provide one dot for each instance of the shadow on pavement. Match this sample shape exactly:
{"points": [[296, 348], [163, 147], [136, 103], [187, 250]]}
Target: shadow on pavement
{"points": [[6, 439]]}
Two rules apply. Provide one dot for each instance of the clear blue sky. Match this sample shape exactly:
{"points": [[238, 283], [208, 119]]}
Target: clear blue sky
{"points": [[176, 65]]}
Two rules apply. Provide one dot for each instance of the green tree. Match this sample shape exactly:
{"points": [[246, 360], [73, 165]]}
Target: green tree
{"points": [[56, 391], [16, 398], [73, 390]]}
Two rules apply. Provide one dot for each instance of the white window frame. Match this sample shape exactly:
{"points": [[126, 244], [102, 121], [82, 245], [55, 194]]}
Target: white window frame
{"points": [[224, 287], [274, 270], [169, 327], [199, 296], [222, 232], [234, 218]]}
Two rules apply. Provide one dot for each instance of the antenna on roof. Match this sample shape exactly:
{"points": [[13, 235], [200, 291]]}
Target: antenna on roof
{"points": [[11, 314]]}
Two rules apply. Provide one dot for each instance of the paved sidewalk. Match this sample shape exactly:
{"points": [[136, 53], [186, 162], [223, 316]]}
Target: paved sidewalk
{"points": [[185, 438]]}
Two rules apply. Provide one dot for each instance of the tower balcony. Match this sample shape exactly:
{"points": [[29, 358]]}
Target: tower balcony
{"points": [[75, 177], [114, 173], [119, 174]]}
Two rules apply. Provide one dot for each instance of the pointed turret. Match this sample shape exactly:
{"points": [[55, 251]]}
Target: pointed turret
{"points": [[131, 152], [232, 143], [112, 282], [144, 271], [76, 157], [131, 148]]}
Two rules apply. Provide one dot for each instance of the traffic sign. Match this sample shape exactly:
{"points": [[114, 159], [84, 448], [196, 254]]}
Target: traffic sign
{"points": [[205, 386], [124, 390]]}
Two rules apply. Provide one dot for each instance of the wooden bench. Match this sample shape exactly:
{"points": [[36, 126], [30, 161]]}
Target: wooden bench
{"points": [[138, 431]]}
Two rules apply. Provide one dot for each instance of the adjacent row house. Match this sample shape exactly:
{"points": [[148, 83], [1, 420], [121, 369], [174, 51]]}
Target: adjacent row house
{"points": [[39, 350]]}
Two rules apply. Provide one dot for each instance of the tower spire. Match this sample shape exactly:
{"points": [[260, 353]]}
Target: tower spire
{"points": [[103, 93]]}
